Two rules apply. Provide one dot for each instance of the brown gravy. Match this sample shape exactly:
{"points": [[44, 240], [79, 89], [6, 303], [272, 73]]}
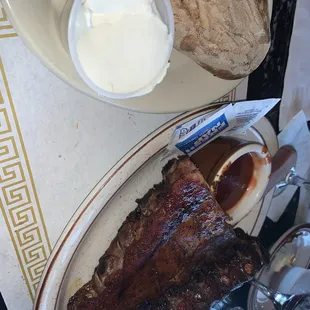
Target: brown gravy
{"points": [[234, 182]]}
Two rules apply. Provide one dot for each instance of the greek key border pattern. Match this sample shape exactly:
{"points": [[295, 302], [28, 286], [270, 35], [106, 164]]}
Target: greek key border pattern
{"points": [[6, 29], [229, 97], [19, 202]]}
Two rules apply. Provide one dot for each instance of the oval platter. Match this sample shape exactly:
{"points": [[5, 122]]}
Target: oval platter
{"points": [[96, 221]]}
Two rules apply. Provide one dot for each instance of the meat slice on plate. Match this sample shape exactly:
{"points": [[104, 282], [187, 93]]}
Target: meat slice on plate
{"points": [[176, 228]]}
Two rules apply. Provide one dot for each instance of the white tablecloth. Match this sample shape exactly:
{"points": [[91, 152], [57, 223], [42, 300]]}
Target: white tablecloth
{"points": [[55, 144]]}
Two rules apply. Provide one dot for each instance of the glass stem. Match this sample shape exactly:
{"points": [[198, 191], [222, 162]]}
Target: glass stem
{"points": [[271, 294]]}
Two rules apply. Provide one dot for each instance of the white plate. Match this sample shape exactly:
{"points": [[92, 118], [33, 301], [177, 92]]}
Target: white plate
{"points": [[95, 223], [42, 25]]}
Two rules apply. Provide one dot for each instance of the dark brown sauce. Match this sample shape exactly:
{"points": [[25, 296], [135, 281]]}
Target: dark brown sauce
{"points": [[234, 182]]}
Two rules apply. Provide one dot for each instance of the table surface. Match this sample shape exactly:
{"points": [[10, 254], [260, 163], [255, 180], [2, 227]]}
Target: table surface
{"points": [[56, 144]]}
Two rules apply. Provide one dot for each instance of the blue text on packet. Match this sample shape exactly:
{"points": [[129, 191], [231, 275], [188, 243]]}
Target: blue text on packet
{"points": [[203, 135]]}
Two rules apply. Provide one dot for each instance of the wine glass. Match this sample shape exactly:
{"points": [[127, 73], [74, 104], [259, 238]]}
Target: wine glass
{"points": [[287, 272], [283, 301]]}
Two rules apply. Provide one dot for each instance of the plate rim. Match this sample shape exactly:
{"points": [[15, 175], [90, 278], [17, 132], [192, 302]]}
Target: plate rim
{"points": [[268, 197]]}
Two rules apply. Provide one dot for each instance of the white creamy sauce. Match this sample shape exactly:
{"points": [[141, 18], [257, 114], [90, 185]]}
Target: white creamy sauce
{"points": [[126, 47], [118, 6]]}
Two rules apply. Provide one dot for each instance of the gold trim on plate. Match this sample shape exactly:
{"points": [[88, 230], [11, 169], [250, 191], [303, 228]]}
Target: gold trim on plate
{"points": [[19, 201]]}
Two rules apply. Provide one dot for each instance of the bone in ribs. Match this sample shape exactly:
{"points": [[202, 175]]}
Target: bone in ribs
{"points": [[176, 236]]}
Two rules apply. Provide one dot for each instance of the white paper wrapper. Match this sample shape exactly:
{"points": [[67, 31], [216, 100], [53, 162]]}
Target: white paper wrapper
{"points": [[190, 137], [296, 92], [296, 134]]}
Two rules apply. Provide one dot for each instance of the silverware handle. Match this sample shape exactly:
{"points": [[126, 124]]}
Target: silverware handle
{"points": [[299, 181], [282, 162]]}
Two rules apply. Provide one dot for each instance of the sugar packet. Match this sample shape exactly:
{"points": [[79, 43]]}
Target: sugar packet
{"points": [[229, 119]]}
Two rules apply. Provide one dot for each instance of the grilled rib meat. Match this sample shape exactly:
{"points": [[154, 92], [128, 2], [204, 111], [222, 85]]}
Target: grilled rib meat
{"points": [[211, 282], [176, 227]]}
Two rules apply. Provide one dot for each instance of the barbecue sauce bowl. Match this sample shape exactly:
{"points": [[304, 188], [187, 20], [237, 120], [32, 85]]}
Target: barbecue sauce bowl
{"points": [[237, 172]]}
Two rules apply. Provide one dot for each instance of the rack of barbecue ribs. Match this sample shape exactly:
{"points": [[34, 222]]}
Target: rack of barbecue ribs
{"points": [[174, 251]]}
